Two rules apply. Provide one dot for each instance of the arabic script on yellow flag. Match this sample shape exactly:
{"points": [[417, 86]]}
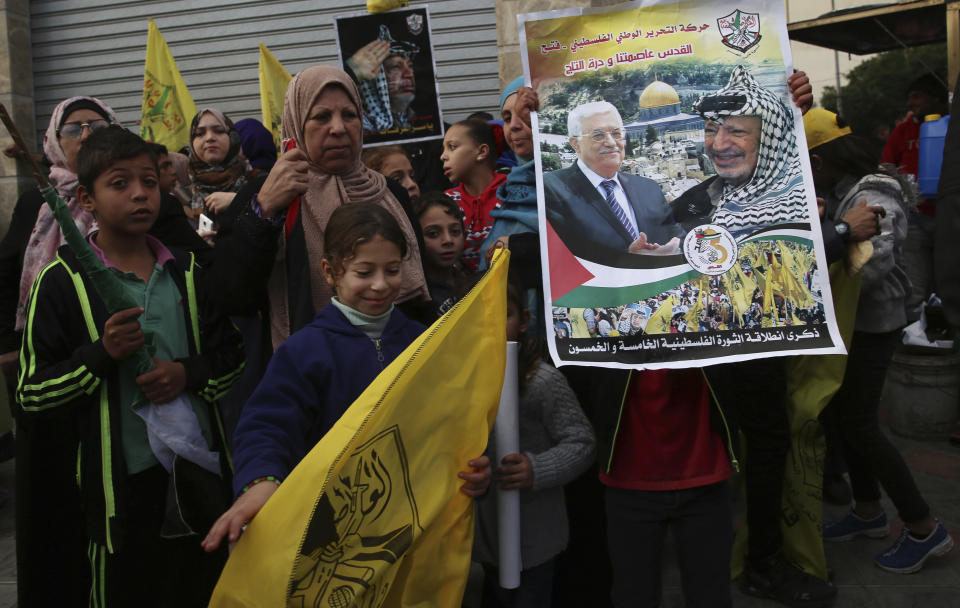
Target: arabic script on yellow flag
{"points": [[167, 106], [373, 515], [274, 79]]}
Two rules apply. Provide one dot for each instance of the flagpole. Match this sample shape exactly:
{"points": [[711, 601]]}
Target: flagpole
{"points": [[506, 432]]}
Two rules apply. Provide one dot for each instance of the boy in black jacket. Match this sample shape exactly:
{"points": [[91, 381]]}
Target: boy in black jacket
{"points": [[144, 496]]}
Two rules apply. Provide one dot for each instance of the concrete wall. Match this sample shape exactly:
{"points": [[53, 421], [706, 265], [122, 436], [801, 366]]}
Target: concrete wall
{"points": [[16, 93]]}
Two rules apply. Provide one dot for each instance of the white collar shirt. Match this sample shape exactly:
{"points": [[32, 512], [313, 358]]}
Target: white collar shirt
{"points": [[618, 192]]}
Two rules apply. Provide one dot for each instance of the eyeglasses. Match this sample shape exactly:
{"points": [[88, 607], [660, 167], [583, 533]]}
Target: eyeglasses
{"points": [[599, 136], [74, 130]]}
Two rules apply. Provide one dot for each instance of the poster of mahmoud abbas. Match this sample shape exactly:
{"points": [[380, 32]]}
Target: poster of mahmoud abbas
{"points": [[677, 210], [390, 57]]}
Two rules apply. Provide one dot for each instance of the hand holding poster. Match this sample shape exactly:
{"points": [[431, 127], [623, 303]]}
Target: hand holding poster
{"points": [[676, 199], [390, 57]]}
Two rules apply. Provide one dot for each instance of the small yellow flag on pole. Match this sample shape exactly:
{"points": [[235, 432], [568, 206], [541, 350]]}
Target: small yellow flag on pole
{"points": [[167, 106], [373, 515], [274, 79]]}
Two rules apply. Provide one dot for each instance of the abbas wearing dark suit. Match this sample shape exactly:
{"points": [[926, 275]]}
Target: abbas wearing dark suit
{"points": [[601, 214]]}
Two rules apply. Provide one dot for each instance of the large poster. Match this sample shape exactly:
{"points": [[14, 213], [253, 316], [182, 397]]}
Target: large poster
{"points": [[390, 57], [677, 213]]}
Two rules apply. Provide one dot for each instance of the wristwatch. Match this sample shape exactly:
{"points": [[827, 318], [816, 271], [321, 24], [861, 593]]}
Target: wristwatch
{"points": [[843, 230]]}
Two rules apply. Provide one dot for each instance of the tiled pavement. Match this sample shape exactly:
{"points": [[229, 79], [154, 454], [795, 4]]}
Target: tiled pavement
{"points": [[936, 467]]}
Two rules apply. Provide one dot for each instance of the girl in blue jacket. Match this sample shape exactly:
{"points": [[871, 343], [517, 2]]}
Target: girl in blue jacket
{"points": [[320, 370]]}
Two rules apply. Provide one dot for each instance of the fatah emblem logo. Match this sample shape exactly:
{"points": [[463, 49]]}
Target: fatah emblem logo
{"points": [[710, 249], [740, 30], [415, 23], [362, 524]]}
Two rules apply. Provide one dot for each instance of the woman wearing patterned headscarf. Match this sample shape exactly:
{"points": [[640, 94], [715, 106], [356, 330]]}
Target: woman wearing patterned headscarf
{"points": [[218, 169], [71, 123], [322, 121]]}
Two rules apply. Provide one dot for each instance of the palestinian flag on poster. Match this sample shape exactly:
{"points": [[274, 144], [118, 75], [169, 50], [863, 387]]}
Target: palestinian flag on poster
{"points": [[766, 296], [576, 282]]}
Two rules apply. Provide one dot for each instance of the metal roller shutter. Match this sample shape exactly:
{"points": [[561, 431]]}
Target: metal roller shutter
{"points": [[96, 47]]}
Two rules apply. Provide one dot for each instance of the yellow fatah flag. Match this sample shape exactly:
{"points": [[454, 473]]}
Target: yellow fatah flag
{"points": [[769, 305], [167, 106], [578, 325], [373, 516], [812, 380], [659, 322], [274, 79], [696, 311]]}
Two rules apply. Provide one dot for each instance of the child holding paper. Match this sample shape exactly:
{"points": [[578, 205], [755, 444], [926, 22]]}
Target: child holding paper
{"points": [[556, 445]]}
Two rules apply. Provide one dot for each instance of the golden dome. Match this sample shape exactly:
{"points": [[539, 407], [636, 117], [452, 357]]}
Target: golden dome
{"points": [[658, 94]]}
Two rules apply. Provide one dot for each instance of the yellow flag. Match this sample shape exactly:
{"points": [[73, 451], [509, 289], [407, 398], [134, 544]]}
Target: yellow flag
{"points": [[274, 79], [769, 305], [659, 322], [696, 311], [812, 380], [379, 6], [373, 516], [578, 325], [167, 106]]}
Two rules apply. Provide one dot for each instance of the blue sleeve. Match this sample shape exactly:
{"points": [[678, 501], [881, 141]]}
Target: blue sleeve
{"points": [[274, 429]]}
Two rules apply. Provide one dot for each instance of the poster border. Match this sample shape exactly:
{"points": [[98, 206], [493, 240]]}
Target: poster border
{"points": [[433, 61]]}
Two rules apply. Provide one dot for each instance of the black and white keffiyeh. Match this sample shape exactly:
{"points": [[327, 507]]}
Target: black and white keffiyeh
{"points": [[377, 115], [775, 193]]}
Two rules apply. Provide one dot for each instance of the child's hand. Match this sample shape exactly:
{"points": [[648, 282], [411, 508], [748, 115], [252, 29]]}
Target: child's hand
{"points": [[502, 242], [516, 472], [163, 383], [477, 479], [122, 335], [231, 523]]}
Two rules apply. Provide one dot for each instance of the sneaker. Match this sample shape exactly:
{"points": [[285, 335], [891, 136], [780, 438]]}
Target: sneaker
{"points": [[853, 526], [908, 554], [780, 580]]}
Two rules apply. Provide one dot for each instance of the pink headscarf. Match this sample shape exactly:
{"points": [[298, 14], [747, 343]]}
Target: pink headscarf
{"points": [[46, 237], [325, 193]]}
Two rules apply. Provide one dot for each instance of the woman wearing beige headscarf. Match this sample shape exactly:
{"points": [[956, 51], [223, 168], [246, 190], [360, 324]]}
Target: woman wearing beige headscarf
{"points": [[322, 117]]}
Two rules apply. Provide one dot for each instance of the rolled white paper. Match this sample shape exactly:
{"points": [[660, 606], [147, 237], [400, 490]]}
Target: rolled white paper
{"points": [[506, 432]]}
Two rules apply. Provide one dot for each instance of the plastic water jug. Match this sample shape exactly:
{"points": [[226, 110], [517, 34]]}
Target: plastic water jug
{"points": [[930, 146]]}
